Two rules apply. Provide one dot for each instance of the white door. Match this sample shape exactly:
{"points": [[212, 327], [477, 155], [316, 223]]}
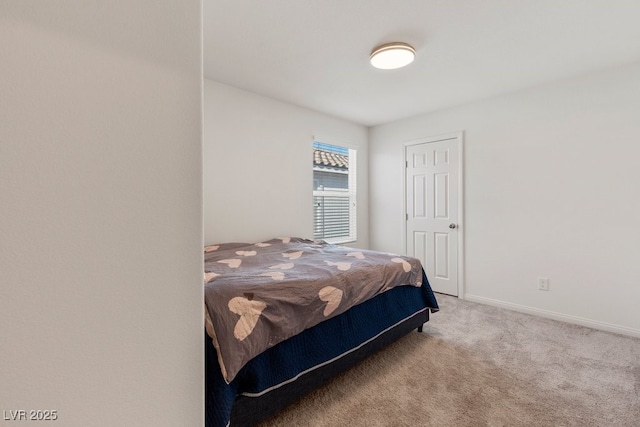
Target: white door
{"points": [[432, 210]]}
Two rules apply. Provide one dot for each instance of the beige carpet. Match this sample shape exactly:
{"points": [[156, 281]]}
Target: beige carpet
{"points": [[476, 365]]}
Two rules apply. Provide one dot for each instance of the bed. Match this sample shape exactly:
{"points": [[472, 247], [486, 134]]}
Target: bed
{"points": [[285, 315]]}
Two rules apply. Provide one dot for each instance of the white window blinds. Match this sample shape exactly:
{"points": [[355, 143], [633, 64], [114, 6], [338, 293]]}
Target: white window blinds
{"points": [[334, 193]]}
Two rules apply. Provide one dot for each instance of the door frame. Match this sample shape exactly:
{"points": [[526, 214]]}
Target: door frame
{"points": [[460, 138]]}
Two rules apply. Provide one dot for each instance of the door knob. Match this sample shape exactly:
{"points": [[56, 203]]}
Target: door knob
{"points": [[452, 225]]}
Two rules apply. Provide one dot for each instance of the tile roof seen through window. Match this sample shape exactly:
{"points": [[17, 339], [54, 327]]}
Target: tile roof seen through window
{"points": [[327, 158]]}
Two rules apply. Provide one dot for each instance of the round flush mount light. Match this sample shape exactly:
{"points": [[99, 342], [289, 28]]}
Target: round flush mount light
{"points": [[394, 55]]}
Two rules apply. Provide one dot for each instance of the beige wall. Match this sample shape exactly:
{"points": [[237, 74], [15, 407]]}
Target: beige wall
{"points": [[101, 211]]}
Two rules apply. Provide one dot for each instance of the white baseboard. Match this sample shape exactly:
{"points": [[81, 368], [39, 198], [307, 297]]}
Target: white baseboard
{"points": [[582, 321]]}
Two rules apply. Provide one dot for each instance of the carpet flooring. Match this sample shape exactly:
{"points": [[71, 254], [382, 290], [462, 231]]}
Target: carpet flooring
{"points": [[476, 365]]}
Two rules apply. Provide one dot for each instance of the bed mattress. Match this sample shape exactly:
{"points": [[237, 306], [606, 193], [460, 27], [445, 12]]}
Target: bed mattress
{"points": [[319, 350]]}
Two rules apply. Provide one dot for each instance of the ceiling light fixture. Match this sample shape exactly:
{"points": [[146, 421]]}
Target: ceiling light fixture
{"points": [[394, 55]]}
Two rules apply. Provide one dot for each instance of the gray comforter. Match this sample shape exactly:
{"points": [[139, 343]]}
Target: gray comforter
{"points": [[259, 294]]}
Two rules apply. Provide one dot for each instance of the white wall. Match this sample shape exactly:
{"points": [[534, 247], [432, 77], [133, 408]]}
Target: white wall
{"points": [[101, 211], [551, 189], [258, 176]]}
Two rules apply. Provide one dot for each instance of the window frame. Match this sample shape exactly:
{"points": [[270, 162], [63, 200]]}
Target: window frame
{"points": [[350, 194]]}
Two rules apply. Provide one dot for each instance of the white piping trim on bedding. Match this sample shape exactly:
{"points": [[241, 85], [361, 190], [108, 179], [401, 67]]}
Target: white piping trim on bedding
{"points": [[331, 360]]}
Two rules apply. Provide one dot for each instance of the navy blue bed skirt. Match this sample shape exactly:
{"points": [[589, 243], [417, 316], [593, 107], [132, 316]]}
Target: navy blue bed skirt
{"points": [[313, 351]]}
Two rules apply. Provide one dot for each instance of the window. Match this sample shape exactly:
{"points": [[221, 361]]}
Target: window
{"points": [[334, 193]]}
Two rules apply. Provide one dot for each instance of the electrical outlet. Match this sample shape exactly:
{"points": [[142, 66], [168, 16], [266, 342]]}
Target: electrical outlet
{"points": [[543, 283]]}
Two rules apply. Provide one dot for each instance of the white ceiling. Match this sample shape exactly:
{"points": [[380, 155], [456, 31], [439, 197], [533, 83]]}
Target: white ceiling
{"points": [[314, 53]]}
